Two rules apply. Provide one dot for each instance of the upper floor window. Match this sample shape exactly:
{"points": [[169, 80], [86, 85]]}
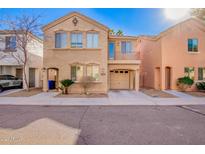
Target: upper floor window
{"points": [[111, 50], [60, 40], [76, 72], [126, 47], [92, 40], [76, 40], [93, 71], [192, 45], [189, 71], [201, 73], [11, 42]]}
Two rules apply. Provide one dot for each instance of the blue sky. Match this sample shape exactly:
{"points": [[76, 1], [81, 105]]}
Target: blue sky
{"points": [[131, 21]]}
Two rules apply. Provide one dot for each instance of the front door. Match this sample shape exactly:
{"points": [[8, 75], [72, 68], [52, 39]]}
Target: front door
{"points": [[119, 79], [167, 78], [31, 77]]}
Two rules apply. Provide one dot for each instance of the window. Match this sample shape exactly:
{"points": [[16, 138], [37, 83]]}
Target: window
{"points": [[111, 50], [60, 40], [93, 71], [192, 45], [126, 47], [76, 72], [201, 73], [76, 40], [189, 71], [92, 40], [10, 42]]}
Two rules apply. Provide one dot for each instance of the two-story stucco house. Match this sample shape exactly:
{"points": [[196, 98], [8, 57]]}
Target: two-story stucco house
{"points": [[77, 46], [174, 53], [11, 55]]}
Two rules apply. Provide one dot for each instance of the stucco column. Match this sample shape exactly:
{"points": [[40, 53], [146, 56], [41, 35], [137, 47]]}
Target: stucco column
{"points": [[137, 80], [45, 80]]}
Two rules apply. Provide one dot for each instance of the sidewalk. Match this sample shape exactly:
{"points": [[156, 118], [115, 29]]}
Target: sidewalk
{"points": [[119, 98]]}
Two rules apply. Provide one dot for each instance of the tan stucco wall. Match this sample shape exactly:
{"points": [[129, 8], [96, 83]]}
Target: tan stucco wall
{"points": [[171, 50], [150, 54], [63, 58]]}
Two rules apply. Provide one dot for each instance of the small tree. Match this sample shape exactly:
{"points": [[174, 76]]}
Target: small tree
{"points": [[86, 82], [199, 13], [65, 85], [23, 27]]}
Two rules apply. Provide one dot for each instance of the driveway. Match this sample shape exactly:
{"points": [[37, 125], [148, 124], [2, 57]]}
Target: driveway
{"points": [[102, 125]]}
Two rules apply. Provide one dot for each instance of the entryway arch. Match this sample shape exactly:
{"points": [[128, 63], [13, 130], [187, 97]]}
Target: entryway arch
{"points": [[53, 80]]}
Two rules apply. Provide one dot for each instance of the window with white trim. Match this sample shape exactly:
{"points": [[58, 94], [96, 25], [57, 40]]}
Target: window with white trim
{"points": [[60, 40], [93, 71], [76, 40], [126, 47], [11, 42], [201, 73], [76, 72], [192, 45], [92, 40], [189, 71]]}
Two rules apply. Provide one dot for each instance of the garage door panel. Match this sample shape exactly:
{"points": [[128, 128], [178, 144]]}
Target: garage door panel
{"points": [[119, 79]]}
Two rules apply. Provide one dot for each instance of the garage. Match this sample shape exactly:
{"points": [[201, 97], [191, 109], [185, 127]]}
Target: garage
{"points": [[119, 79]]}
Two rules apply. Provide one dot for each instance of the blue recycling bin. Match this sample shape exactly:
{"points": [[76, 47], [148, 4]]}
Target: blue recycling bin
{"points": [[51, 84]]}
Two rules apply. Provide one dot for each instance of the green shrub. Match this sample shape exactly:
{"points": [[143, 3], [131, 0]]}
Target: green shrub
{"points": [[185, 80], [200, 85], [65, 84], [184, 83]]}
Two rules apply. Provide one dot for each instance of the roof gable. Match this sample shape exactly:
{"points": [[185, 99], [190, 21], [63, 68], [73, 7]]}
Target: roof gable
{"points": [[72, 14], [180, 23]]}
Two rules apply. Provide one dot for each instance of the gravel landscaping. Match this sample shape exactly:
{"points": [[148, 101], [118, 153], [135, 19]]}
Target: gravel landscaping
{"points": [[157, 93], [196, 93]]}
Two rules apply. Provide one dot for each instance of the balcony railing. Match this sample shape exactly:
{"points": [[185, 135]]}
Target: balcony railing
{"points": [[127, 56]]}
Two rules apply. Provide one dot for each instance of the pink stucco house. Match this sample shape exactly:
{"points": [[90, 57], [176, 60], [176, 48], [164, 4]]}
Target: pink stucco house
{"points": [[174, 53]]}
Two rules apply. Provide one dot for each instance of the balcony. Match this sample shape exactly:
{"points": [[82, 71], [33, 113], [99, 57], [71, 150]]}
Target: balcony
{"points": [[127, 56]]}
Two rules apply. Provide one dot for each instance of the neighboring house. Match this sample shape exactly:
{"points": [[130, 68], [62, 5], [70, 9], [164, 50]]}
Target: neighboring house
{"points": [[77, 46], [174, 53], [12, 66]]}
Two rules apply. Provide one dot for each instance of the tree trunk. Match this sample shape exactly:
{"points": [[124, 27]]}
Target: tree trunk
{"points": [[66, 90], [25, 78]]}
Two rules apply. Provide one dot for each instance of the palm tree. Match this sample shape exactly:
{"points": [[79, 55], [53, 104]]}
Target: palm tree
{"points": [[111, 32], [119, 32]]}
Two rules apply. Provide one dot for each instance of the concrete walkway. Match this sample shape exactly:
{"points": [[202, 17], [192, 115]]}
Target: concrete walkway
{"points": [[114, 98]]}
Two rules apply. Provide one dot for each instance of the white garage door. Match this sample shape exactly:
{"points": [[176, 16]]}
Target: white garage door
{"points": [[119, 79]]}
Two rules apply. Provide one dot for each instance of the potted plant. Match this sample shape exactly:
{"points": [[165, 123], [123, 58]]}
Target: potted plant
{"points": [[65, 84], [184, 83]]}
